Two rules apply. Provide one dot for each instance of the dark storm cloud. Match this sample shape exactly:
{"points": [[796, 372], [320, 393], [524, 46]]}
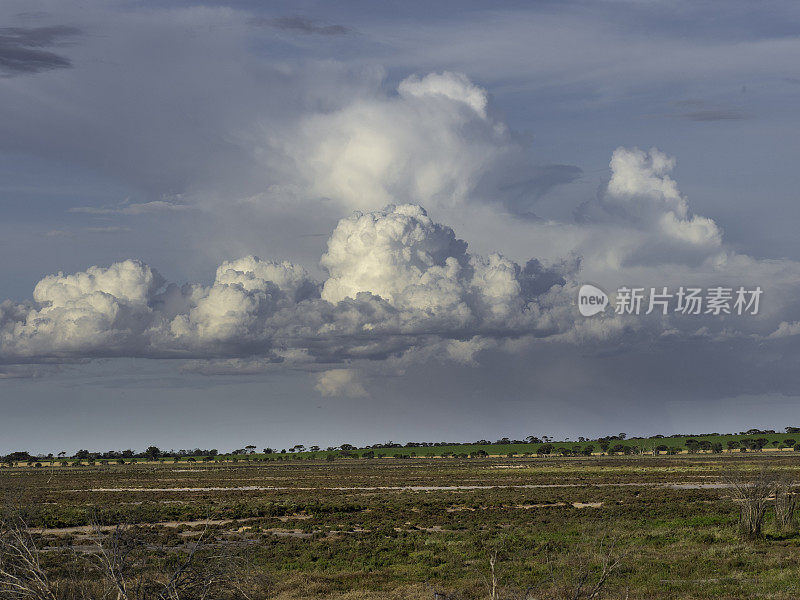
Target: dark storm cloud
{"points": [[304, 25], [22, 49]]}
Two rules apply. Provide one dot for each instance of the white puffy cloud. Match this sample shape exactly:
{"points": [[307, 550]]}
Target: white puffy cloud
{"points": [[642, 190], [641, 219], [401, 255], [397, 280], [429, 144], [340, 382], [99, 311]]}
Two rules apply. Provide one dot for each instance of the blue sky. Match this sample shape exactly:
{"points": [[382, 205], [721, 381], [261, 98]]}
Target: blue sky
{"points": [[185, 135]]}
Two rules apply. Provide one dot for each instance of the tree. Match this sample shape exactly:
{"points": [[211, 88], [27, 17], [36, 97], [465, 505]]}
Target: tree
{"points": [[544, 449], [732, 445], [785, 503], [751, 492], [250, 448], [152, 452]]}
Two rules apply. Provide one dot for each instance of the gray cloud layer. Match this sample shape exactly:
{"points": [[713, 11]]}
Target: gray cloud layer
{"points": [[300, 24], [22, 49]]}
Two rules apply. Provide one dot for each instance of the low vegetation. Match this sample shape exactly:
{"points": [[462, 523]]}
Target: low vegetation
{"points": [[639, 526], [753, 440]]}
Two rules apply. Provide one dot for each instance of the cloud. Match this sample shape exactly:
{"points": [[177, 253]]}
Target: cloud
{"points": [[340, 382], [86, 230], [300, 24], [716, 114], [520, 191], [401, 288], [704, 111], [397, 281], [22, 49], [652, 218], [26, 371], [432, 143], [155, 206], [230, 366], [786, 329]]}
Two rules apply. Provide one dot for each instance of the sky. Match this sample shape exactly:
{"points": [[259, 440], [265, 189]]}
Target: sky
{"points": [[272, 223]]}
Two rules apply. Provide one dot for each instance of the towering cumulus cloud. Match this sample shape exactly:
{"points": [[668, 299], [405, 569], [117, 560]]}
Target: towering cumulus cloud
{"points": [[402, 256], [643, 219], [430, 144], [642, 190], [403, 287]]}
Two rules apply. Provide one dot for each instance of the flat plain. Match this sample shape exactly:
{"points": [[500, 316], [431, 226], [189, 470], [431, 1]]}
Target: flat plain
{"points": [[413, 528]]}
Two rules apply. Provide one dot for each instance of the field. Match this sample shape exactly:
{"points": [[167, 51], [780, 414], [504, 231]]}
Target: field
{"points": [[392, 529], [658, 445]]}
